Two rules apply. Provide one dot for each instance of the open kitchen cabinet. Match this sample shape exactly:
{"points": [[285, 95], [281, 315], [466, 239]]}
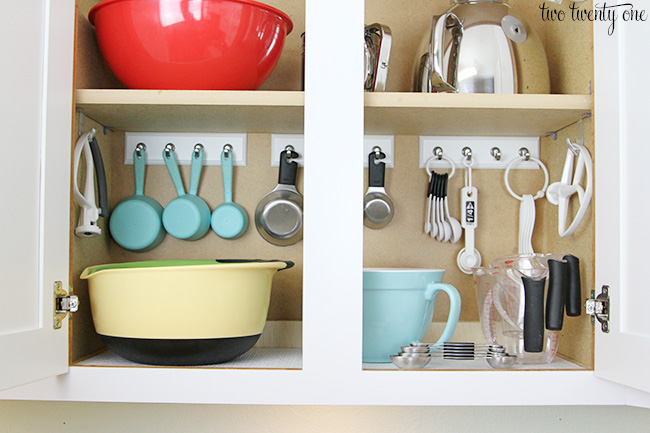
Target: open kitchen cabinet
{"points": [[336, 246], [103, 103], [551, 118]]}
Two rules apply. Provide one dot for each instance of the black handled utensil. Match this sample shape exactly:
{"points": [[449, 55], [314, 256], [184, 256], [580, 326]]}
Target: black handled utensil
{"points": [[558, 281], [533, 314], [573, 293]]}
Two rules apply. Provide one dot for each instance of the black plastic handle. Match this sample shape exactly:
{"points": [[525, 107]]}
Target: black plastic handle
{"points": [[100, 175], [573, 293], [376, 170], [445, 182], [533, 314], [288, 170], [558, 280], [432, 183]]}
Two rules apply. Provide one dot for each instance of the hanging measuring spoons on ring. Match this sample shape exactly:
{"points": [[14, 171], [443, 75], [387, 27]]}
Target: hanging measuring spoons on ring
{"points": [[377, 206]]}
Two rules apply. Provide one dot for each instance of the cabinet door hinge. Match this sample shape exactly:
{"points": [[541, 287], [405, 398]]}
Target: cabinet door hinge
{"points": [[598, 308], [63, 303]]}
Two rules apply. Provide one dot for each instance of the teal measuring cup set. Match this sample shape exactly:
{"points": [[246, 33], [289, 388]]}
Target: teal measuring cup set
{"points": [[139, 223]]}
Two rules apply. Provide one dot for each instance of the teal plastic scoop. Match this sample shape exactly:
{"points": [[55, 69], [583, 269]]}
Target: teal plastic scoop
{"points": [[187, 216], [229, 220], [136, 222]]}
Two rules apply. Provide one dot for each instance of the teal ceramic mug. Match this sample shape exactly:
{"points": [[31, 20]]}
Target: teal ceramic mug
{"points": [[398, 306]]}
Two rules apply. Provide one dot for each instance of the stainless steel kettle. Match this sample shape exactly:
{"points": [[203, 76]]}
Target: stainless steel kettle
{"points": [[481, 46], [378, 40]]}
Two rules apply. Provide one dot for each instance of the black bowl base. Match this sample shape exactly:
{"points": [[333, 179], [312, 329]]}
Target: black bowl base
{"points": [[182, 352]]}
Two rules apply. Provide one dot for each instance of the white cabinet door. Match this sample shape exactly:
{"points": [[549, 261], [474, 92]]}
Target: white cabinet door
{"points": [[622, 95], [36, 44]]}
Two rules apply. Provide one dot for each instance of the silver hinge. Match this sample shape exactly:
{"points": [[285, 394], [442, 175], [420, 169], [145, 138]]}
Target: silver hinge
{"points": [[63, 303], [598, 308]]}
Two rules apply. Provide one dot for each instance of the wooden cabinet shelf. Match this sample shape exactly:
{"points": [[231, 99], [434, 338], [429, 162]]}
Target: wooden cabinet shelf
{"points": [[196, 111], [471, 114], [283, 112]]}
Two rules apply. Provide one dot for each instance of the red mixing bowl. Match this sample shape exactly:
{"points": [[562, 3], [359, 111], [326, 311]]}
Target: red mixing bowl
{"points": [[190, 44]]}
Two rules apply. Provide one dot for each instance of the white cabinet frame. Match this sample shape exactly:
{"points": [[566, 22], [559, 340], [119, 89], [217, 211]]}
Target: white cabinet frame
{"points": [[333, 259]]}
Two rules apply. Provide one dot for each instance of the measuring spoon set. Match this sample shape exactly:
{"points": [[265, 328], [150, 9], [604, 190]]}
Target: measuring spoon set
{"points": [[139, 223], [439, 223]]}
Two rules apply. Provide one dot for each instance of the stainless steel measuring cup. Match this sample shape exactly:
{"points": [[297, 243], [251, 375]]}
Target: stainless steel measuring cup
{"points": [[378, 208], [278, 216]]}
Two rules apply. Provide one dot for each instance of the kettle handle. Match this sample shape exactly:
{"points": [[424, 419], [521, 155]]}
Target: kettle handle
{"points": [[439, 26]]}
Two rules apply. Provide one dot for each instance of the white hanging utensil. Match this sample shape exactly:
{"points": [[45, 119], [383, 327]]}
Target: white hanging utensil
{"points": [[560, 193], [427, 220], [526, 224], [468, 257], [527, 206], [89, 214]]}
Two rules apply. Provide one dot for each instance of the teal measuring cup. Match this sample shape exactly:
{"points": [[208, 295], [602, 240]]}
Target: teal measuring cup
{"points": [[229, 220], [187, 216], [398, 306], [136, 222]]}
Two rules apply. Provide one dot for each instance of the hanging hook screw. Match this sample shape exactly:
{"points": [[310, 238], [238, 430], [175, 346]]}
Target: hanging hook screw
{"points": [[379, 155], [139, 149], [169, 148], [467, 152], [227, 148], [291, 153], [524, 153], [437, 152], [496, 153], [198, 148]]}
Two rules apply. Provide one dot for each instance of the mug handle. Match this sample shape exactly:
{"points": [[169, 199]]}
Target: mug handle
{"points": [[454, 308]]}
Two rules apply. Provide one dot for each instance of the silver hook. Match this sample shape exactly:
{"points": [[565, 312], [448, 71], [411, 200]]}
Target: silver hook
{"points": [[379, 155], [467, 152], [227, 148], [438, 152], [139, 150], [290, 151], [169, 148], [496, 153], [524, 153], [198, 148]]}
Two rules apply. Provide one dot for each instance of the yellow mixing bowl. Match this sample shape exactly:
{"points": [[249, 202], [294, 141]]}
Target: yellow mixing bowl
{"points": [[181, 312]]}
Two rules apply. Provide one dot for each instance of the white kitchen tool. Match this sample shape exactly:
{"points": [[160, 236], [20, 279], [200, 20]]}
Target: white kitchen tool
{"points": [[89, 214], [527, 206], [468, 257], [560, 193]]}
